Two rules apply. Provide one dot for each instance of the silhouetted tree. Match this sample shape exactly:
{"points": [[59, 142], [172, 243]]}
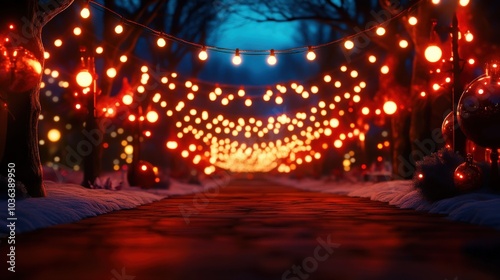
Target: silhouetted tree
{"points": [[21, 148]]}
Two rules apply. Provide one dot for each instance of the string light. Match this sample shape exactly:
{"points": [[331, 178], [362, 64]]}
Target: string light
{"points": [[379, 31], [348, 45], [111, 72], [468, 36], [433, 53], [271, 60], [403, 44], [310, 54], [203, 55], [85, 12], [390, 107], [237, 58], [161, 42], [58, 42], [412, 20], [118, 29], [77, 31]]}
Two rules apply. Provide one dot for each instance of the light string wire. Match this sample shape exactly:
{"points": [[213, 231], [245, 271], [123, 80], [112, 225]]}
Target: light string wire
{"points": [[294, 50]]}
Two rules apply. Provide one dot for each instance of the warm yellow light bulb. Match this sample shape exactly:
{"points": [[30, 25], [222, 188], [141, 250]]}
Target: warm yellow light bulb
{"points": [[271, 60], [118, 29], [403, 44], [380, 31], [85, 12], [390, 107], [203, 55], [412, 20], [348, 44], [311, 55], [433, 53], [237, 58], [468, 36], [111, 72], [84, 78], [161, 42]]}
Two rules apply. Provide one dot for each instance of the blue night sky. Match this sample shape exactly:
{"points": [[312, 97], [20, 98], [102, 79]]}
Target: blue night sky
{"points": [[237, 32]]}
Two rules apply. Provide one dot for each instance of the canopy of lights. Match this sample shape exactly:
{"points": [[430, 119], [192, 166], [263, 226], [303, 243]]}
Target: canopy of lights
{"points": [[222, 126]]}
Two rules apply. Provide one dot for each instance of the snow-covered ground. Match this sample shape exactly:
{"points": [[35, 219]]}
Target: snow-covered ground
{"points": [[68, 202], [476, 208]]}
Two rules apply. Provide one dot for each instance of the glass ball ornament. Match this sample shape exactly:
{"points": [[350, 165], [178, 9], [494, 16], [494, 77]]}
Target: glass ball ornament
{"points": [[478, 111], [142, 174], [450, 123], [468, 176]]}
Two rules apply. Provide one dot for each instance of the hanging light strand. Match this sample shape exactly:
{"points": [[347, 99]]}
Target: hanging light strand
{"points": [[294, 50]]}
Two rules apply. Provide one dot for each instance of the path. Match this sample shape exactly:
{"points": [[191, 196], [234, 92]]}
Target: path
{"points": [[256, 230]]}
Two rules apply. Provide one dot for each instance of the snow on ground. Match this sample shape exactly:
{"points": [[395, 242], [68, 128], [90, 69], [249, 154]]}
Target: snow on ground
{"points": [[476, 208], [68, 202]]}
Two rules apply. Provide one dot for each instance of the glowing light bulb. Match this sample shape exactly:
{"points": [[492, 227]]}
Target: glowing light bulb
{"points": [[237, 58], [58, 42], [468, 36], [84, 78], [118, 29], [279, 100], [111, 72], [380, 31], [271, 60], [435, 2], [403, 44], [127, 99], [464, 3], [77, 31], [203, 55], [311, 55], [161, 42], [85, 12], [54, 135], [384, 69], [412, 20], [433, 53], [152, 116], [348, 44], [390, 107]]}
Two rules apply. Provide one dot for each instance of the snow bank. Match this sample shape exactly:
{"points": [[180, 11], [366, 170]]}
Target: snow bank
{"points": [[475, 208], [69, 202]]}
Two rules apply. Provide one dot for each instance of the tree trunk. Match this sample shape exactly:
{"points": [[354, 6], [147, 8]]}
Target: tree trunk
{"points": [[21, 140]]}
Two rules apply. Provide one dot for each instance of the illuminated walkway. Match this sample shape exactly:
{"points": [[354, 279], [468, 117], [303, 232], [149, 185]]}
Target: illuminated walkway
{"points": [[254, 230]]}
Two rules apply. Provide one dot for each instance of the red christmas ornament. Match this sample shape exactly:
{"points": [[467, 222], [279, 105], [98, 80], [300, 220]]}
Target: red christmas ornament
{"points": [[447, 130], [468, 176], [142, 174]]}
